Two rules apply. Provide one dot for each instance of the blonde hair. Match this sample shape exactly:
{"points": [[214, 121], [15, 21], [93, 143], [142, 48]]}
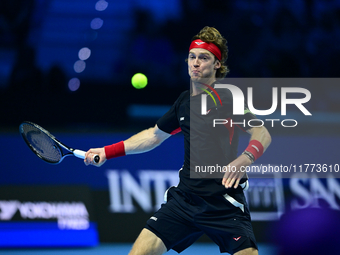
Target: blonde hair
{"points": [[212, 35]]}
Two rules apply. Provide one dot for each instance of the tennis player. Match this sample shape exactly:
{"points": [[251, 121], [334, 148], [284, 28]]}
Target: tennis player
{"points": [[213, 206]]}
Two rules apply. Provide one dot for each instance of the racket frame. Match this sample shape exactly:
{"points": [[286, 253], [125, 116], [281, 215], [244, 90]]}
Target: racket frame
{"points": [[75, 152]]}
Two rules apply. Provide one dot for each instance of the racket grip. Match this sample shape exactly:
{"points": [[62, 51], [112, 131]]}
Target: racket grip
{"points": [[96, 158], [81, 154]]}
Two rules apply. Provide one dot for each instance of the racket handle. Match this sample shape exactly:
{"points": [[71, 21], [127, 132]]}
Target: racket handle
{"points": [[81, 154], [96, 158]]}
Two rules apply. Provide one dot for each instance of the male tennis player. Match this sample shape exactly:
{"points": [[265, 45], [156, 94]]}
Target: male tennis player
{"points": [[214, 206]]}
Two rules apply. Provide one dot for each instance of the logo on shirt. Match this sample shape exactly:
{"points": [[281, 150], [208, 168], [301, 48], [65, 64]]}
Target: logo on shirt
{"points": [[237, 238], [181, 118], [204, 98]]}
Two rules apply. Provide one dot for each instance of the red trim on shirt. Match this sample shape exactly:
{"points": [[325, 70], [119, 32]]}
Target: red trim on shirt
{"points": [[177, 130], [241, 128], [231, 130]]}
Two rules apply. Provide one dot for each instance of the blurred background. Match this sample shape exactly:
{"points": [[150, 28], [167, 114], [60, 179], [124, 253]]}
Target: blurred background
{"points": [[67, 65], [85, 53]]}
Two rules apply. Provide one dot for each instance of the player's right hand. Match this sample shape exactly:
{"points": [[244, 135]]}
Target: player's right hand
{"points": [[89, 157]]}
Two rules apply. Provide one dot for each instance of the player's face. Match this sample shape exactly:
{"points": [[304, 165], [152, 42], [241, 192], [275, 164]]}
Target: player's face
{"points": [[202, 64]]}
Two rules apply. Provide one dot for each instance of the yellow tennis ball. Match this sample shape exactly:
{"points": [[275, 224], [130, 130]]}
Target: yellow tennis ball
{"points": [[139, 81]]}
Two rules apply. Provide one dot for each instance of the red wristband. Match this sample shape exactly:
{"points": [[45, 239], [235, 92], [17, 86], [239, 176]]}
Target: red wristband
{"points": [[255, 148], [115, 150]]}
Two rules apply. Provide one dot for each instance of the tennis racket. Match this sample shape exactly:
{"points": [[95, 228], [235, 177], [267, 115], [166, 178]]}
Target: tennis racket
{"points": [[46, 146]]}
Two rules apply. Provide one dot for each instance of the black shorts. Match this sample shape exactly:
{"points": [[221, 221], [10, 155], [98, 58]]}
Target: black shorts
{"points": [[186, 217]]}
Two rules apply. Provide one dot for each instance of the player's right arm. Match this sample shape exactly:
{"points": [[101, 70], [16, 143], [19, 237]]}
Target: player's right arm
{"points": [[143, 141]]}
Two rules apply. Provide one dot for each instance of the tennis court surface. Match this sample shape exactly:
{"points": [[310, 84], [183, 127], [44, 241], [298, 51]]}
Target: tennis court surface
{"points": [[120, 249]]}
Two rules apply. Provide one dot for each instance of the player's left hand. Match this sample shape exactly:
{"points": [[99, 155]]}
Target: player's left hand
{"points": [[235, 171]]}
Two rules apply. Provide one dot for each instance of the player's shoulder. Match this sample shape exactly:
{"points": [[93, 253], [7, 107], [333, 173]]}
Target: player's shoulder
{"points": [[185, 93], [183, 96]]}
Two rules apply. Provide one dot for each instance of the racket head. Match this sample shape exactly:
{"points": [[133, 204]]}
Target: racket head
{"points": [[41, 142]]}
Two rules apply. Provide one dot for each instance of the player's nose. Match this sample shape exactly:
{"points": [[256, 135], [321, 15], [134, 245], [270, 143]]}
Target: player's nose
{"points": [[196, 62]]}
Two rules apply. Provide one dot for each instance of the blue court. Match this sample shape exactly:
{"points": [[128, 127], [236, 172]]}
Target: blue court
{"points": [[120, 249]]}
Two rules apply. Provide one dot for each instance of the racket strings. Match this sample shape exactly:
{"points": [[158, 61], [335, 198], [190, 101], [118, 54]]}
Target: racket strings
{"points": [[41, 144]]}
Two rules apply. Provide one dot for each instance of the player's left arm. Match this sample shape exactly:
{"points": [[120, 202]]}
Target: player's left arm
{"points": [[260, 139], [260, 134]]}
